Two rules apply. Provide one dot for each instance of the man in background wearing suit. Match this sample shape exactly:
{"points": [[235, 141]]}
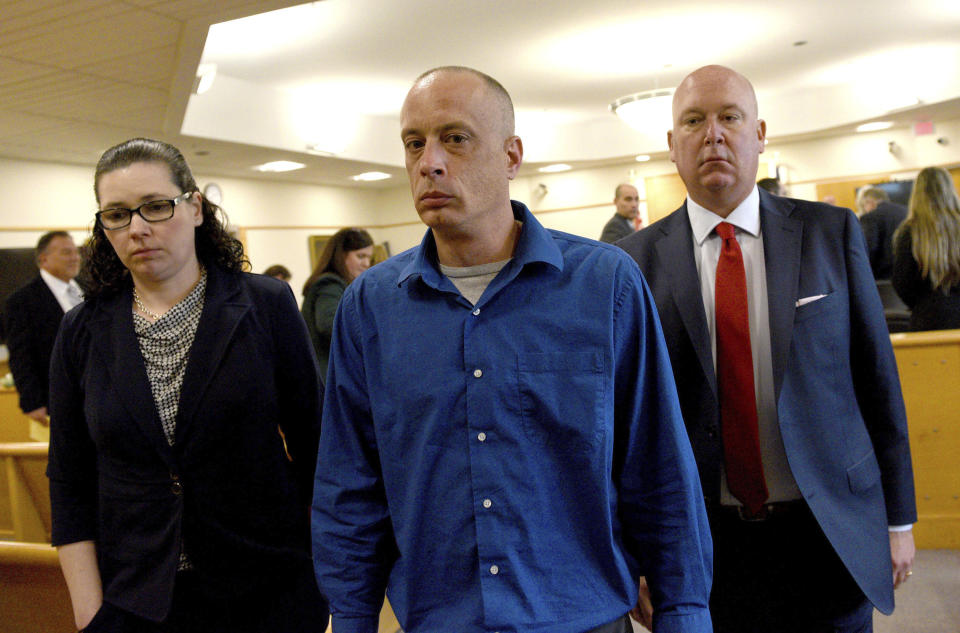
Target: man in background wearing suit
{"points": [[627, 201], [32, 317], [786, 377], [879, 219]]}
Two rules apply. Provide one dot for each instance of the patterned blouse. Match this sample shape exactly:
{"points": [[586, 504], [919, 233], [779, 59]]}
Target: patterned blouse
{"points": [[165, 345]]}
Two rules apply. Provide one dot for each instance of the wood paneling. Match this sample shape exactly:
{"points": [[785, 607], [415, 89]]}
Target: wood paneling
{"points": [[665, 194], [929, 365], [845, 191]]}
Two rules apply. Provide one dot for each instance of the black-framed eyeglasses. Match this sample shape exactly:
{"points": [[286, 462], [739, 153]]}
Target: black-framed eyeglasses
{"points": [[153, 211]]}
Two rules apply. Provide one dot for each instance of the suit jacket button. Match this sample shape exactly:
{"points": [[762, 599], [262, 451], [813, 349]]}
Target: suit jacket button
{"points": [[177, 488]]}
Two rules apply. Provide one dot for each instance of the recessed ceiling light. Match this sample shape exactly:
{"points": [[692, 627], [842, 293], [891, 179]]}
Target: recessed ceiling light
{"points": [[549, 169], [642, 158], [874, 126], [370, 176], [280, 165]]}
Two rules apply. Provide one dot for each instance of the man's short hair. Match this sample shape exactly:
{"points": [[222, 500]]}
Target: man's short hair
{"points": [[45, 240], [873, 193], [616, 192], [506, 103]]}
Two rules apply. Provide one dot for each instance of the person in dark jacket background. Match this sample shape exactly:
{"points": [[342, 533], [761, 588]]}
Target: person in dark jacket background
{"points": [[926, 266], [346, 254]]}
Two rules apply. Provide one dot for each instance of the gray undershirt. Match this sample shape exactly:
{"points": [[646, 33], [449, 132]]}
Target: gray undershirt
{"points": [[471, 281]]}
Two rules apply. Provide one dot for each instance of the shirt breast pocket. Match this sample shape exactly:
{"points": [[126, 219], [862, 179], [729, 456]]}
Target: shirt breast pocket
{"points": [[561, 399]]}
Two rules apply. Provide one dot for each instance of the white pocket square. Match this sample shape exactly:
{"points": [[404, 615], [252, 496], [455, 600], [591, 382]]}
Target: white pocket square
{"points": [[806, 300]]}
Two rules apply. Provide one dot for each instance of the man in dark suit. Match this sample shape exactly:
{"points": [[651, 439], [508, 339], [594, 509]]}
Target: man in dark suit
{"points": [[786, 377], [879, 219], [32, 316], [627, 200]]}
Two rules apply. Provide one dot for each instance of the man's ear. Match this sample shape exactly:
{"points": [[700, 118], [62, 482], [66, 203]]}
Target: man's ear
{"points": [[513, 147], [670, 145], [762, 134]]}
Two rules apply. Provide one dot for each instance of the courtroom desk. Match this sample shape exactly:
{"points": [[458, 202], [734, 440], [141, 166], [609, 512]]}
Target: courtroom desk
{"points": [[14, 426], [929, 366]]}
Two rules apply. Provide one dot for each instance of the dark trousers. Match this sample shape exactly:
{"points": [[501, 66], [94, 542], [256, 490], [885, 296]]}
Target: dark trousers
{"points": [[290, 605], [781, 575]]}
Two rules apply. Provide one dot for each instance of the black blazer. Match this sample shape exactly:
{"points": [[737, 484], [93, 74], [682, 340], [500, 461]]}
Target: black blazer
{"points": [[226, 490], [616, 228], [32, 317], [878, 228], [929, 309], [840, 409]]}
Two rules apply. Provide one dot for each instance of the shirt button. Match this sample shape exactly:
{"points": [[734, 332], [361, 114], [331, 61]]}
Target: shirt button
{"points": [[476, 311], [487, 503], [477, 373], [482, 436], [494, 570]]}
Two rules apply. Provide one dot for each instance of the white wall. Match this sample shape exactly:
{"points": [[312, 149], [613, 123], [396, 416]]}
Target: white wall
{"points": [[279, 217]]}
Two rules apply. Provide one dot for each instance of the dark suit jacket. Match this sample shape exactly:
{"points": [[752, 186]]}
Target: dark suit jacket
{"points": [[839, 403], [878, 227], [226, 490], [616, 228], [32, 317], [929, 309]]}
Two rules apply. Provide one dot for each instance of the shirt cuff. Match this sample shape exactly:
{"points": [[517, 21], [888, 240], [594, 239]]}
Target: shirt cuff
{"points": [[900, 528], [363, 624], [697, 621]]}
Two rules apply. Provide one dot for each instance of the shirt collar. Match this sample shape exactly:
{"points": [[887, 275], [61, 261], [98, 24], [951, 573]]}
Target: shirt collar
{"points": [[745, 217], [56, 285], [535, 245]]}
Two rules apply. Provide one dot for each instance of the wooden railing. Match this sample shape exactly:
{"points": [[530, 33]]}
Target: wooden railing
{"points": [[929, 365]]}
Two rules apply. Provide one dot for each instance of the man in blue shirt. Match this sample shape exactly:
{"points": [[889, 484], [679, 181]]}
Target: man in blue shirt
{"points": [[502, 445]]}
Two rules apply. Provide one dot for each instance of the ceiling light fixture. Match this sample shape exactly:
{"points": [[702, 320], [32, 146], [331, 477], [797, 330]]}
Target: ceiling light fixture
{"points": [[279, 166], [875, 126], [370, 176], [551, 169], [648, 111], [642, 158]]}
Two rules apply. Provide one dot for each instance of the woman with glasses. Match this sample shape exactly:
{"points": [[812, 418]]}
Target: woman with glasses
{"points": [[185, 410], [345, 255], [926, 260]]}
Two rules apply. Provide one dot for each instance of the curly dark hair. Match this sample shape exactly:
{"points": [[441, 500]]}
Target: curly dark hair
{"points": [[104, 271]]}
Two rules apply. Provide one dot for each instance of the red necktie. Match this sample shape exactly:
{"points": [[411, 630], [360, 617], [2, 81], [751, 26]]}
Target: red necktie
{"points": [[738, 405]]}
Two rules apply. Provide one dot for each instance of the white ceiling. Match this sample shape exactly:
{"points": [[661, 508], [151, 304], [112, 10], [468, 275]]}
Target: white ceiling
{"points": [[78, 76]]}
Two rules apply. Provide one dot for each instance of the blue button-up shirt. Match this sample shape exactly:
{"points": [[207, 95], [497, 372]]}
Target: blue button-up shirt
{"points": [[512, 465]]}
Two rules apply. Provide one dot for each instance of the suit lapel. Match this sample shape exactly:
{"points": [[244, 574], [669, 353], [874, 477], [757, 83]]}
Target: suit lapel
{"points": [[223, 307], [127, 372], [675, 255], [782, 238]]}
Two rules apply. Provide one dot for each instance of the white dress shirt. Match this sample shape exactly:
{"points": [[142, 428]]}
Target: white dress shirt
{"points": [[67, 293], [746, 218]]}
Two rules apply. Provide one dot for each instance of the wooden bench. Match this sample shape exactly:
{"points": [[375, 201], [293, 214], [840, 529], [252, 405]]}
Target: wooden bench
{"points": [[33, 594], [929, 365], [25, 500]]}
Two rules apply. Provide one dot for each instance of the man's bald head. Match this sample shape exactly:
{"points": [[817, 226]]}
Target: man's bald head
{"points": [[495, 88], [710, 79]]}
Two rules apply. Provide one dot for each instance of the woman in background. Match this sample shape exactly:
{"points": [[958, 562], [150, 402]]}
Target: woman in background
{"points": [[344, 257], [178, 506], [926, 267]]}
